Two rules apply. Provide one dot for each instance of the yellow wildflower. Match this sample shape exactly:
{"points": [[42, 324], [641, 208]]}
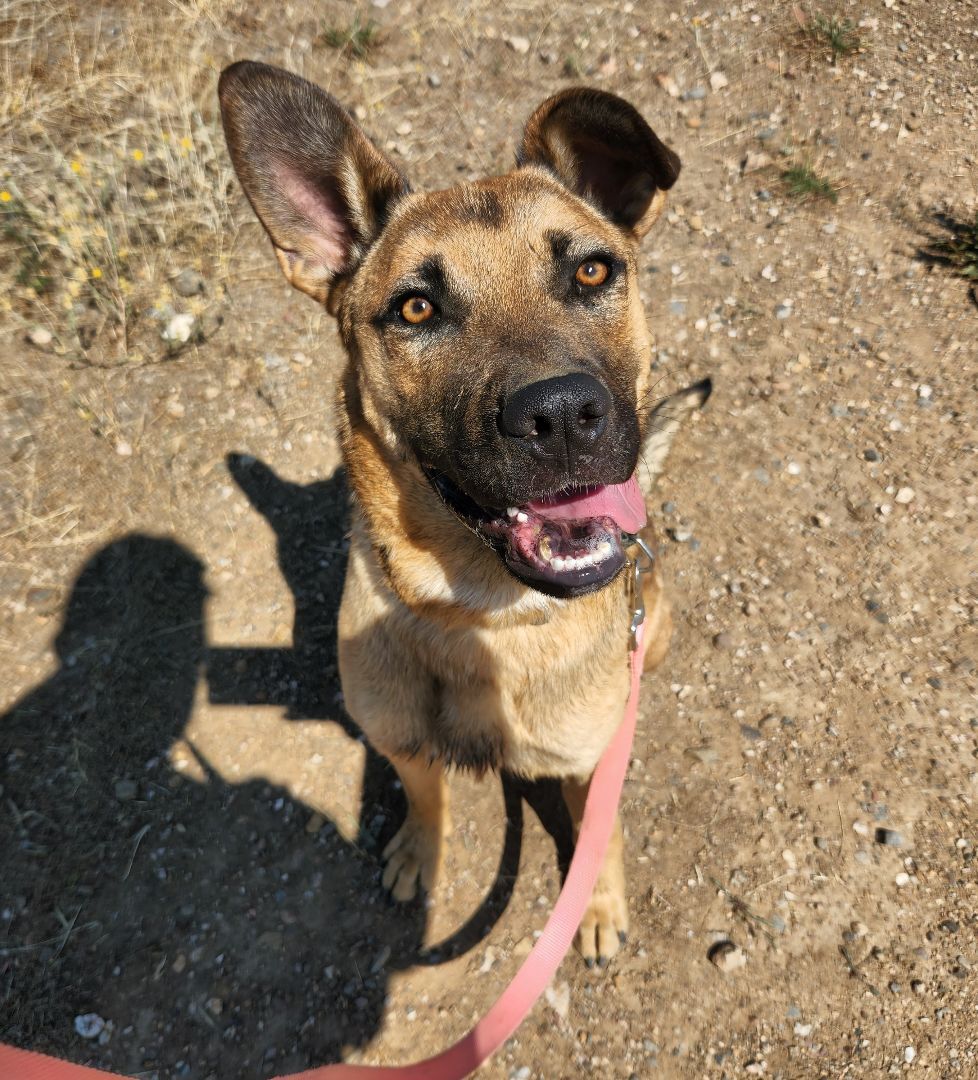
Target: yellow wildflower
{"points": [[96, 273], [5, 196], [137, 155], [186, 142], [76, 166]]}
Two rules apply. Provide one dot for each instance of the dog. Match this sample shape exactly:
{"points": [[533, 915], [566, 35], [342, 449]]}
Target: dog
{"points": [[495, 417]]}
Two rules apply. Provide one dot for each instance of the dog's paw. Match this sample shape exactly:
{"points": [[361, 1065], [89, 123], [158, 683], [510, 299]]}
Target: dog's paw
{"points": [[604, 926], [413, 855]]}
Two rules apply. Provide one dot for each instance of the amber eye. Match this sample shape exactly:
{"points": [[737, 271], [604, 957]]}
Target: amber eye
{"points": [[416, 310], [592, 272]]}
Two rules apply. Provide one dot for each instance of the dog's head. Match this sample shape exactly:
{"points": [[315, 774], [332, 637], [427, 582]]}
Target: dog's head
{"points": [[495, 328]]}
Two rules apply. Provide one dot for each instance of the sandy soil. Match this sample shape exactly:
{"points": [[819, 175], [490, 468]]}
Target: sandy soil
{"points": [[189, 826]]}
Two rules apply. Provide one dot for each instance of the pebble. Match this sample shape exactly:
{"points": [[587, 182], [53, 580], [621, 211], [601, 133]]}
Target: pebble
{"points": [[519, 44], [179, 328], [125, 790], [902, 879], [768, 273], [727, 957], [123, 448], [40, 336], [188, 283], [803, 1030], [756, 160], [89, 1025], [696, 223], [889, 838], [434, 80], [723, 640], [718, 81], [694, 93], [558, 998], [904, 495], [668, 83], [522, 1073], [783, 310], [909, 1053], [872, 455]]}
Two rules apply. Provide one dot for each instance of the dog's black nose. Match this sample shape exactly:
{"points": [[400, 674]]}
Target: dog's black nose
{"points": [[564, 415]]}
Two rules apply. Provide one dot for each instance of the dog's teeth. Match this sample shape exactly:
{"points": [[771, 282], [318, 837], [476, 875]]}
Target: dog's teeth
{"points": [[521, 517], [557, 563], [511, 511], [604, 549]]}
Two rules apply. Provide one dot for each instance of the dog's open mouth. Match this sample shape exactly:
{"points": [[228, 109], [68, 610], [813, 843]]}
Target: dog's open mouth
{"points": [[567, 545]]}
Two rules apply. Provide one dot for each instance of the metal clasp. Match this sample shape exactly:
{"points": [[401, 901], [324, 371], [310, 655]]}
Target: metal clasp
{"points": [[642, 563]]}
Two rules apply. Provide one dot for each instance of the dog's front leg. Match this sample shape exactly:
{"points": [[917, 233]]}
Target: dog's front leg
{"points": [[605, 923], [416, 851]]}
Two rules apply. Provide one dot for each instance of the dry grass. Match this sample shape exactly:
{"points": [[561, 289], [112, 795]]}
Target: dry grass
{"points": [[113, 177]]}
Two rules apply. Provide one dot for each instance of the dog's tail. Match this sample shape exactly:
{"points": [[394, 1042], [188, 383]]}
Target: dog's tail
{"points": [[666, 419]]}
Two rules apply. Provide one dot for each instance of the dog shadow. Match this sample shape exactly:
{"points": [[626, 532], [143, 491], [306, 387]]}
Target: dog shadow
{"points": [[205, 925]]}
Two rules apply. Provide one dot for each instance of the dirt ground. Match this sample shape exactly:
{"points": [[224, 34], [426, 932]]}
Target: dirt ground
{"points": [[189, 826]]}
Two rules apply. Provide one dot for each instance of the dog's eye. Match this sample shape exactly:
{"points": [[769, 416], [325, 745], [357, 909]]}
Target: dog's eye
{"points": [[416, 310], [592, 272]]}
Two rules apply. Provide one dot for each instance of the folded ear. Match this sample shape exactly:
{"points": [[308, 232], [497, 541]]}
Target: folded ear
{"points": [[665, 420], [600, 147], [318, 185]]}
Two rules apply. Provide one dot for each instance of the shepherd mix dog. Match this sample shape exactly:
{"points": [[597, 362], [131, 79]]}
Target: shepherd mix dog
{"points": [[495, 415]]}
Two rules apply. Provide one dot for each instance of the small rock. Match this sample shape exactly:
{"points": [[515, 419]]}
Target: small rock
{"points": [[902, 879], [694, 93], [315, 823], [188, 283], [519, 44], [40, 336], [872, 455], [125, 790], [750, 733], [949, 926], [718, 81], [727, 957], [434, 80], [909, 1053], [668, 83], [178, 330], [904, 495], [696, 223], [723, 640], [784, 310], [681, 536], [380, 960], [404, 128], [755, 161], [895, 987], [768, 273], [89, 1025], [917, 986], [558, 998], [803, 1030], [123, 448], [889, 838]]}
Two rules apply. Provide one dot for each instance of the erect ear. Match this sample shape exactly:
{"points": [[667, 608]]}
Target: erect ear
{"points": [[600, 147], [665, 420], [318, 185]]}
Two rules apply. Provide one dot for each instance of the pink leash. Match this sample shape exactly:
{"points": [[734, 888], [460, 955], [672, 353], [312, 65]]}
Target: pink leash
{"points": [[530, 981]]}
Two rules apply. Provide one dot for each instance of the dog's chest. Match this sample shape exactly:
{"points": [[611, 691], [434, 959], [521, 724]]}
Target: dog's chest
{"points": [[529, 701]]}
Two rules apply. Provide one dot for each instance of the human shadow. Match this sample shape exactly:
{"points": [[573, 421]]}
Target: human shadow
{"points": [[200, 919]]}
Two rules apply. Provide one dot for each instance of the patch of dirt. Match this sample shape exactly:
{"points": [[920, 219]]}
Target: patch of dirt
{"points": [[189, 825]]}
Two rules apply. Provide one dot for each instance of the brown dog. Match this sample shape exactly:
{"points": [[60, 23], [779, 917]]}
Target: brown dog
{"points": [[493, 412]]}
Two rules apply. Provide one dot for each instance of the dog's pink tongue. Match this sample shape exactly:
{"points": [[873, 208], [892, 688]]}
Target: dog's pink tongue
{"points": [[623, 503]]}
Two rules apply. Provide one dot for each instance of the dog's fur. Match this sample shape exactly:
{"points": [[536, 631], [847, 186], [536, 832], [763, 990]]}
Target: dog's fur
{"points": [[447, 656]]}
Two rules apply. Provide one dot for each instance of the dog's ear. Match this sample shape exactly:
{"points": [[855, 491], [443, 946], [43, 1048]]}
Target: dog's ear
{"points": [[318, 185], [665, 420], [600, 147]]}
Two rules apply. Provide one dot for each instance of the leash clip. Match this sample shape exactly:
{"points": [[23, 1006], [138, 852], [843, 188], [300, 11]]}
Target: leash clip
{"points": [[642, 563]]}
